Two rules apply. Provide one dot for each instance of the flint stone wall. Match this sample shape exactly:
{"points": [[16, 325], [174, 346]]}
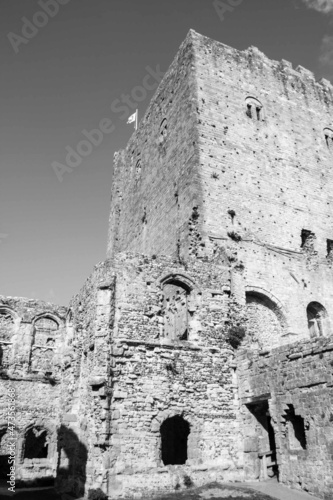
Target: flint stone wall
{"points": [[300, 375]]}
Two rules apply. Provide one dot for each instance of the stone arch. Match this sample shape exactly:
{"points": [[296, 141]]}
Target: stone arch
{"points": [[254, 108], [38, 441], [174, 432], [179, 304], [164, 129], [45, 332], [9, 320], [266, 319], [317, 319]]}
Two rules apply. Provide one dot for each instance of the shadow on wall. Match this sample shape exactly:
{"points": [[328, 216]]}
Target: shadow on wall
{"points": [[72, 462], [71, 467]]}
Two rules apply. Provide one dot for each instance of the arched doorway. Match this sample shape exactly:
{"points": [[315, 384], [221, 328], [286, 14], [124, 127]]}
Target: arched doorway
{"points": [[174, 435]]}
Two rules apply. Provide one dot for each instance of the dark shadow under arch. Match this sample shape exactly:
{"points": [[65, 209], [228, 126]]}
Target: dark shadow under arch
{"points": [[174, 435]]}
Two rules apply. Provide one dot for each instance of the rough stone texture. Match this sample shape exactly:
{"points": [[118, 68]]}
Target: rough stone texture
{"points": [[31, 341], [299, 375], [201, 349]]}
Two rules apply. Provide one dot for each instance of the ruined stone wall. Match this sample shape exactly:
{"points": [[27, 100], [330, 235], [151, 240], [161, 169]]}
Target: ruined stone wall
{"points": [[156, 376], [297, 381], [84, 420], [273, 172], [31, 339], [155, 184]]}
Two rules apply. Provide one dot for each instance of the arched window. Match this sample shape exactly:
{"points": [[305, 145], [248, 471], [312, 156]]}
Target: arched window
{"points": [[6, 334], [174, 435], [265, 322], [254, 109], [328, 132], [36, 443], [45, 333], [163, 130], [176, 310], [317, 315]]}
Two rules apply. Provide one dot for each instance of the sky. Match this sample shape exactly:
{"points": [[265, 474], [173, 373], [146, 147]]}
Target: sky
{"points": [[66, 65]]}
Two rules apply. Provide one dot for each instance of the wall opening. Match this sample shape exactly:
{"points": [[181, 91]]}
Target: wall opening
{"points": [[176, 310], [4, 456], [254, 109], [316, 315], [296, 429], [329, 138], [45, 334], [36, 443], [174, 437], [308, 240], [329, 254], [266, 445]]}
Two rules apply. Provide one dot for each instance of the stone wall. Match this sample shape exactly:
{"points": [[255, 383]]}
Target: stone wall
{"points": [[297, 382], [31, 341], [155, 183]]}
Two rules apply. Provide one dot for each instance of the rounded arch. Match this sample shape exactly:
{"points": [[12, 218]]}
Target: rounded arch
{"points": [[4, 309], [178, 278], [316, 316], [266, 320], [48, 315], [270, 300], [254, 108], [174, 432], [328, 134], [164, 128]]}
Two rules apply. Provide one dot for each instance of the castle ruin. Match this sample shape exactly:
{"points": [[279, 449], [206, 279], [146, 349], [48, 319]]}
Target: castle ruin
{"points": [[201, 349]]}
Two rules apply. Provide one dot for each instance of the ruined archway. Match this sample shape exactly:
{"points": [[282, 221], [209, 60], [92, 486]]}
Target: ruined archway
{"points": [[266, 323], [174, 437]]}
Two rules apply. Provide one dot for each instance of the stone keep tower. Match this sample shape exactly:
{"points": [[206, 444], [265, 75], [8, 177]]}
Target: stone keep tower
{"points": [[201, 349], [220, 243], [220, 237]]}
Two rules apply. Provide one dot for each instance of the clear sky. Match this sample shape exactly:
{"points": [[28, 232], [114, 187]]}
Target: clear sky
{"points": [[62, 78]]}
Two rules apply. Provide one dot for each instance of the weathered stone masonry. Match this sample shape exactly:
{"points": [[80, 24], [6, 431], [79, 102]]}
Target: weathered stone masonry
{"points": [[201, 348]]}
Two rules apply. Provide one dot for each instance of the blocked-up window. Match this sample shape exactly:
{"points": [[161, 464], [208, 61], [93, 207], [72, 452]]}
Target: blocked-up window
{"points": [[6, 334], [254, 109], [45, 334], [176, 310]]}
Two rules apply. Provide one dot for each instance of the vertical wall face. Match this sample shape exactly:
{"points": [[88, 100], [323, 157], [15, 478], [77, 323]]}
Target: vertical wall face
{"points": [[274, 172], [156, 184], [296, 383], [32, 335], [266, 166]]}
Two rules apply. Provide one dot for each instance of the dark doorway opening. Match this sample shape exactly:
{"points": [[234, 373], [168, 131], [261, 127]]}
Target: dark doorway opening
{"points": [[4, 466], [266, 435], [36, 445], [4, 457], [174, 434]]}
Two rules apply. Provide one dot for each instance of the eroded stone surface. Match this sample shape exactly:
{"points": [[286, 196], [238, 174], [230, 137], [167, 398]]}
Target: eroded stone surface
{"points": [[201, 349]]}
